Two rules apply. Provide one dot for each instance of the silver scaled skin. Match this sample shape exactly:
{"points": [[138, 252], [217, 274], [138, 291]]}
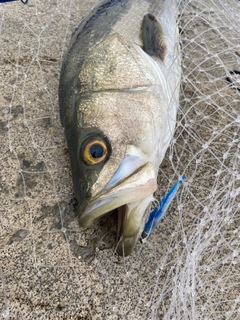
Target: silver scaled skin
{"points": [[118, 95]]}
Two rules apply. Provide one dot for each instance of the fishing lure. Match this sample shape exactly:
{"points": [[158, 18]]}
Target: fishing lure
{"points": [[24, 2], [157, 213]]}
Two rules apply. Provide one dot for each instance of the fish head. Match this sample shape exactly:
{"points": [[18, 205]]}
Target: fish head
{"points": [[115, 126]]}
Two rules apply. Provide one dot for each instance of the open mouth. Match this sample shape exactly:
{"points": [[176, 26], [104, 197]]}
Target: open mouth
{"points": [[131, 221], [131, 198]]}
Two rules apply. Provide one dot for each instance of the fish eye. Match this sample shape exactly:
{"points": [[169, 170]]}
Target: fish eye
{"points": [[95, 151]]}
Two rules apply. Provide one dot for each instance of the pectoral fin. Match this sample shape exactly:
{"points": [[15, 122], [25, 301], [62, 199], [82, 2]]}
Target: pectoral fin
{"points": [[153, 37]]}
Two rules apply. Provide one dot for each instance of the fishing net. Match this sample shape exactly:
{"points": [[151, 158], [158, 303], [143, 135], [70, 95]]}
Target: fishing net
{"points": [[49, 267]]}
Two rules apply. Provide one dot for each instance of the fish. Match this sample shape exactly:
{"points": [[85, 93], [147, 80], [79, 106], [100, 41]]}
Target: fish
{"points": [[118, 101]]}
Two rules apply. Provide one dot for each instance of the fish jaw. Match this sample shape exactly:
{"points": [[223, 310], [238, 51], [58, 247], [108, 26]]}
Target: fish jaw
{"points": [[131, 198], [136, 216]]}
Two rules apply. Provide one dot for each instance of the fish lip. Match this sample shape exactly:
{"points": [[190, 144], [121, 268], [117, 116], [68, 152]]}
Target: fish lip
{"points": [[126, 196], [129, 190]]}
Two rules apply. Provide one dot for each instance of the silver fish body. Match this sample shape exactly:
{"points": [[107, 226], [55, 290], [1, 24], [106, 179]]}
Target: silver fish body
{"points": [[118, 96]]}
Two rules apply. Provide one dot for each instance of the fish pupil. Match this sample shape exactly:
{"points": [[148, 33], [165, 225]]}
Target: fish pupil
{"points": [[96, 151]]}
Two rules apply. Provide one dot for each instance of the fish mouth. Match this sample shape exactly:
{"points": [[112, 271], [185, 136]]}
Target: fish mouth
{"points": [[130, 196], [131, 220]]}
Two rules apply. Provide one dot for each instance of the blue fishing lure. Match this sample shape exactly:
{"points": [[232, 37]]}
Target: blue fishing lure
{"points": [[157, 213], [24, 2]]}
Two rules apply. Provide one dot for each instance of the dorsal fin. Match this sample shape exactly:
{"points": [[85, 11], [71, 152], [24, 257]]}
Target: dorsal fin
{"points": [[153, 37]]}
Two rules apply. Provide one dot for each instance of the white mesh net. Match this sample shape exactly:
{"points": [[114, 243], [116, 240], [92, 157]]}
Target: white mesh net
{"points": [[50, 268]]}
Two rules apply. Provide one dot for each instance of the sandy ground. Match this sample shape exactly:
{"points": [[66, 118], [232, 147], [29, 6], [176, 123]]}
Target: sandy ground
{"points": [[52, 269]]}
